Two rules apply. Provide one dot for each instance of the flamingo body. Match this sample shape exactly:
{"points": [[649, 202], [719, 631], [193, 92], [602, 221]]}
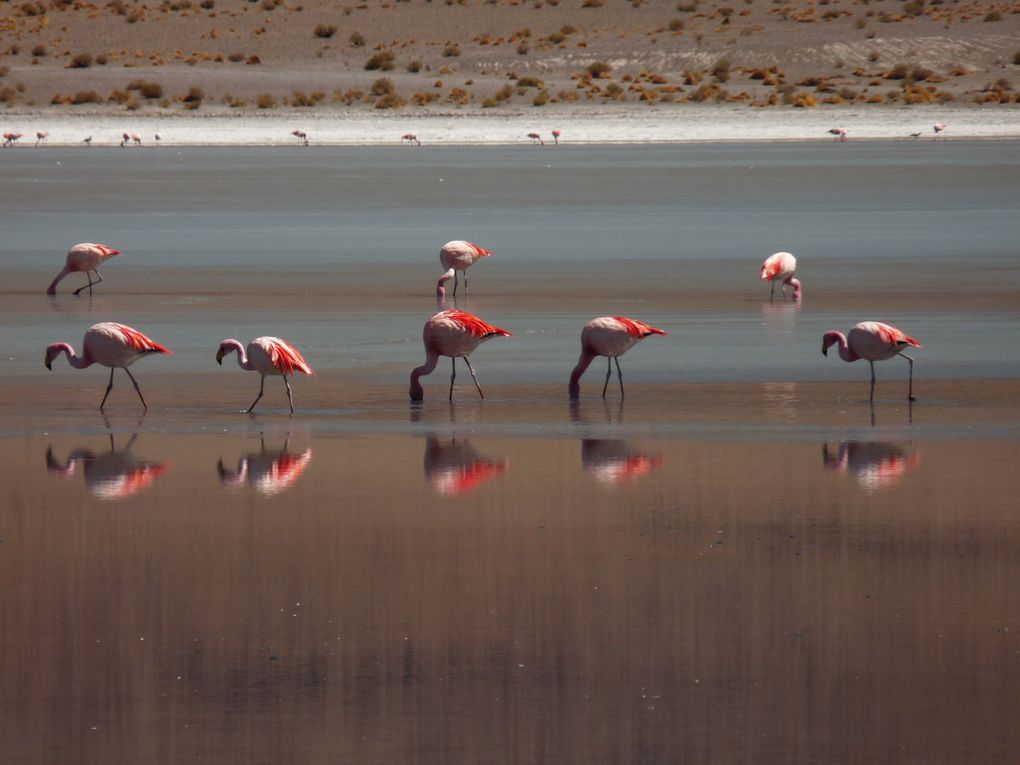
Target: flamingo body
{"points": [[872, 341], [781, 267], [536, 138], [10, 138], [111, 345], [938, 127], [609, 336], [455, 334], [84, 257], [455, 256], [839, 132], [410, 138], [41, 136], [556, 136], [267, 356], [301, 135]]}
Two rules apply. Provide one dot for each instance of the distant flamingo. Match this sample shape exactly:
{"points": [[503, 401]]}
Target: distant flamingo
{"points": [[158, 138], [41, 136], [536, 138], [410, 138], [915, 136], [455, 334], [10, 138], [781, 267], [609, 336], [938, 127], [87, 140], [872, 341], [112, 345], [556, 136], [137, 139], [125, 139], [267, 356], [301, 135], [84, 257], [839, 132], [455, 256]]}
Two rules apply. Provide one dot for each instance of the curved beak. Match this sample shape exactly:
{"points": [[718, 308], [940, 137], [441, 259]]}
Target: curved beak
{"points": [[49, 363], [825, 350], [219, 357]]}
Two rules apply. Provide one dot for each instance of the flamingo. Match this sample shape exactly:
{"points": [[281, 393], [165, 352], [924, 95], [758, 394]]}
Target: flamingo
{"points": [[872, 341], [84, 257], [609, 336], [535, 137], [137, 139], [410, 138], [269, 472], [455, 256], [10, 138], [87, 140], [111, 475], [455, 334], [112, 345], [556, 136], [41, 136], [781, 266], [915, 136], [158, 138], [839, 132], [267, 356], [938, 127], [301, 135], [125, 137]]}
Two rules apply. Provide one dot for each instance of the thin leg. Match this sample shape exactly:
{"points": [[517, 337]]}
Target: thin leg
{"points": [[609, 371], [474, 375], [137, 389], [453, 374], [872, 396], [88, 275], [262, 387], [108, 389], [910, 385], [619, 375], [455, 284], [465, 287], [290, 396], [772, 292]]}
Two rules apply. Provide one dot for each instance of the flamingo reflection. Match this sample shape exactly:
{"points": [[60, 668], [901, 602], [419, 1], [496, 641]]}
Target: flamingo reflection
{"points": [[875, 464], [455, 467], [111, 475], [268, 471], [612, 461]]}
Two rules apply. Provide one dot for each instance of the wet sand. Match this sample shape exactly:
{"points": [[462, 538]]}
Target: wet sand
{"points": [[744, 561]]}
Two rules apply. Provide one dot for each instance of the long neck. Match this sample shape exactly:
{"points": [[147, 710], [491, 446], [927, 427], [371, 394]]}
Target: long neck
{"points": [[575, 377], [795, 283], [440, 289], [417, 393], [52, 289], [76, 361], [844, 350], [242, 357]]}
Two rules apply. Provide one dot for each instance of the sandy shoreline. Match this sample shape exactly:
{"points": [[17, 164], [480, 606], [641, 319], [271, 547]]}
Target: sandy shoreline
{"points": [[689, 124]]}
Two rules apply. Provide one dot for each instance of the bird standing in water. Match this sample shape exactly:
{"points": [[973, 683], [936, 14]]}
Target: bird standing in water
{"points": [[609, 336], [267, 356], [455, 256], [873, 341], [84, 257], [781, 267], [455, 334]]}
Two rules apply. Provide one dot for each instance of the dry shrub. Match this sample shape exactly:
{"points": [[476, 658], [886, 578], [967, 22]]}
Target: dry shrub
{"points": [[459, 96], [149, 90], [195, 95], [86, 97], [325, 30], [489, 103], [356, 40], [265, 101], [599, 69], [451, 51], [414, 67], [235, 57], [541, 98], [118, 96], [39, 50], [383, 86], [592, 3], [390, 101], [424, 98], [522, 49], [530, 82], [253, 60], [80, 61], [993, 16], [382, 60]]}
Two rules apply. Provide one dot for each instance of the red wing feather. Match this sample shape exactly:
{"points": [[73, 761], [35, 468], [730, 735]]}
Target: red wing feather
{"points": [[474, 325], [479, 251], [638, 328], [141, 342], [286, 358], [893, 336]]}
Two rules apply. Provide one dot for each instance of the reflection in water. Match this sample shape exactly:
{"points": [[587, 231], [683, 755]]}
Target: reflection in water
{"points": [[781, 398], [875, 464], [780, 318], [455, 467], [269, 472], [613, 461], [108, 475]]}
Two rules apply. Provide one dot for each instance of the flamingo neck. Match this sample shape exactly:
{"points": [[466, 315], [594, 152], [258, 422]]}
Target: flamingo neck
{"points": [[228, 346], [440, 289], [416, 392], [795, 283], [76, 361], [52, 289], [845, 352], [583, 363]]}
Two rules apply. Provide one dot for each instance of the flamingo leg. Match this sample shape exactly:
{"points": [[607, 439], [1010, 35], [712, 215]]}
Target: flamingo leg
{"points": [[609, 372], [262, 388], [455, 284], [871, 397], [108, 389], [910, 384], [474, 374], [290, 396], [619, 375], [465, 289], [772, 292], [137, 389], [453, 375], [88, 275]]}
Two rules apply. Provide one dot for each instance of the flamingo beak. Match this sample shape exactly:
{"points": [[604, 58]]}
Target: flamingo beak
{"points": [[219, 357], [49, 363], [825, 350]]}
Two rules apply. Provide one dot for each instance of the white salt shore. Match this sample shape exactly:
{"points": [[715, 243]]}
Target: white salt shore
{"points": [[656, 125]]}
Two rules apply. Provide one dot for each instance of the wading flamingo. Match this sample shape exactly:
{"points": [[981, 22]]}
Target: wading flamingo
{"points": [[455, 334], [410, 138], [87, 140], [267, 356], [84, 257], [536, 138], [10, 138], [840, 133], [41, 136], [609, 336], [158, 138], [125, 138], [556, 136], [137, 139], [872, 341], [938, 127], [455, 256], [301, 135], [781, 267], [112, 345], [915, 136]]}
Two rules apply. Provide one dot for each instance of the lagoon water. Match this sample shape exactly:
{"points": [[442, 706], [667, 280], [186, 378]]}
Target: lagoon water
{"points": [[742, 561]]}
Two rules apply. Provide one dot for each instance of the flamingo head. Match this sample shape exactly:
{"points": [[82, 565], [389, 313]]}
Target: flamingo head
{"points": [[52, 351], [828, 340], [222, 351], [765, 273], [440, 289]]}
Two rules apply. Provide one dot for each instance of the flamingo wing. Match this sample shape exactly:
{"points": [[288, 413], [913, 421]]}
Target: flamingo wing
{"points": [[480, 252], [472, 324], [286, 357], [637, 328], [893, 336], [139, 341]]}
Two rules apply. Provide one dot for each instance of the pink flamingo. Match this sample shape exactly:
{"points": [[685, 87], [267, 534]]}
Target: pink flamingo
{"points": [[269, 472], [10, 138], [455, 256], [840, 133], [609, 336], [137, 139], [301, 135], [455, 334], [938, 127], [781, 267], [410, 138], [84, 257], [536, 138], [41, 136], [872, 341], [267, 356], [556, 136], [125, 138], [112, 345]]}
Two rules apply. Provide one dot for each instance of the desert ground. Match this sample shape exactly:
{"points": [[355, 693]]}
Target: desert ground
{"points": [[501, 56]]}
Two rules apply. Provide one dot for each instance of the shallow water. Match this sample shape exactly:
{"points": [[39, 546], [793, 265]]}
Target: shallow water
{"points": [[742, 561]]}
